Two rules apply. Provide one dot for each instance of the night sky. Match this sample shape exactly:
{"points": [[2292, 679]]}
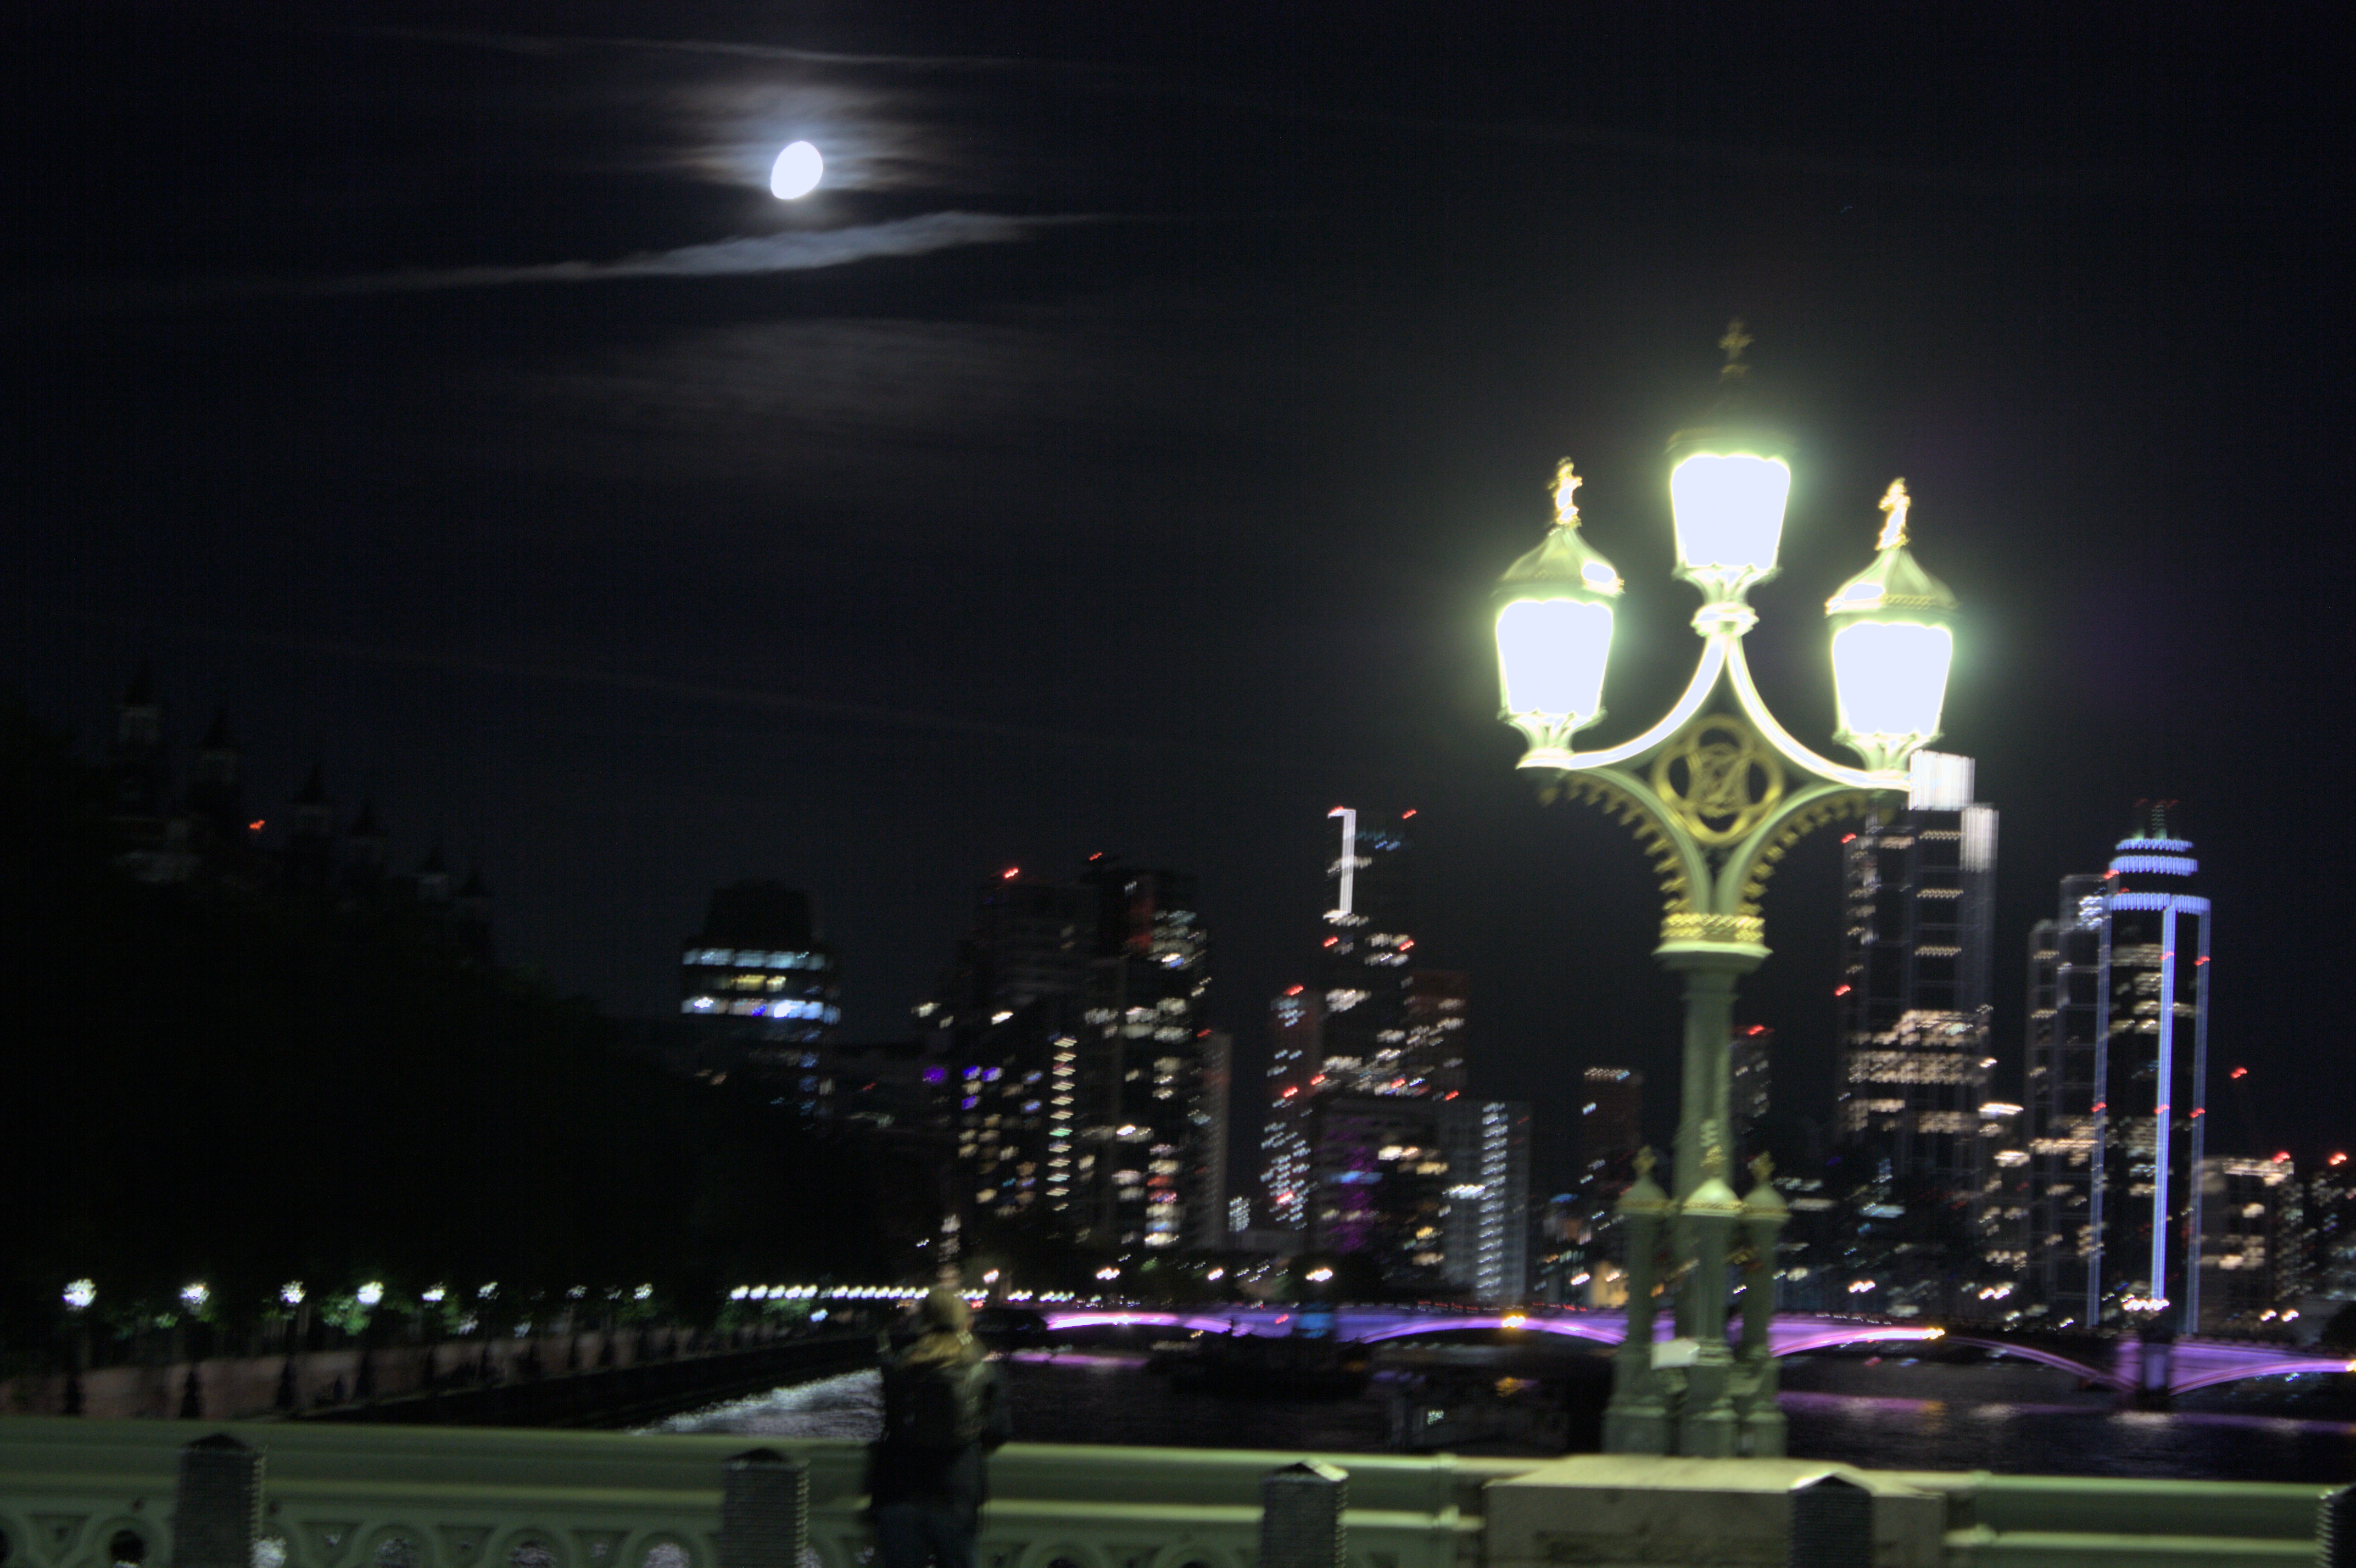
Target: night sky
{"points": [[1116, 452]]}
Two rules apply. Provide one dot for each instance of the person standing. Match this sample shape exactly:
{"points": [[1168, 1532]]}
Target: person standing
{"points": [[944, 1412]]}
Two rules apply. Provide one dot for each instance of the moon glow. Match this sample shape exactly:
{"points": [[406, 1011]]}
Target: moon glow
{"points": [[796, 172]]}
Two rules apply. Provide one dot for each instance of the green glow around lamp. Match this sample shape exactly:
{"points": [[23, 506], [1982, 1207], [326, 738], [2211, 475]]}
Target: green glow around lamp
{"points": [[1893, 645], [1554, 632]]}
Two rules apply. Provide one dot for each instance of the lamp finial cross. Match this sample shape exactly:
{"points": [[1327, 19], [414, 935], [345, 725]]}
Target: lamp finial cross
{"points": [[1735, 341], [1566, 507], [1894, 501]]}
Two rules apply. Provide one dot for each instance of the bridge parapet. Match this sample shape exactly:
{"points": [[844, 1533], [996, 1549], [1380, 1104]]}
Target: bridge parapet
{"points": [[93, 1494]]}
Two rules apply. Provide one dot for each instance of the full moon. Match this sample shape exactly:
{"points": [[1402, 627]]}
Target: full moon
{"points": [[796, 172]]}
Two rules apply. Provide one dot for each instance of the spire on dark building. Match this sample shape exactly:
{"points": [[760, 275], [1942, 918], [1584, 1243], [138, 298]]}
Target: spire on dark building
{"points": [[217, 790], [364, 849], [311, 843], [433, 875], [135, 763]]}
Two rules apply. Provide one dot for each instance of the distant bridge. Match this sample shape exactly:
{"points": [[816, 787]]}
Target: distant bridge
{"points": [[2180, 1367]]}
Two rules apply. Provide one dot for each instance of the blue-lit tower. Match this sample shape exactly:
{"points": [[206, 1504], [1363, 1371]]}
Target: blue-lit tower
{"points": [[2118, 1064]]}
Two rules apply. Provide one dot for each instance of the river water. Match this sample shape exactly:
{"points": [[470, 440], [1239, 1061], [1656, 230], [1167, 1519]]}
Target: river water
{"points": [[1886, 1413]]}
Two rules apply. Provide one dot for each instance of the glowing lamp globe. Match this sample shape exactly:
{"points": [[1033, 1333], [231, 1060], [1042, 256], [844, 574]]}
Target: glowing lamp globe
{"points": [[1728, 511], [1554, 634], [1892, 644]]}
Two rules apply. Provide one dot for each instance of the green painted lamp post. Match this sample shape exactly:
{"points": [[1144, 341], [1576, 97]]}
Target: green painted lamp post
{"points": [[1717, 793]]}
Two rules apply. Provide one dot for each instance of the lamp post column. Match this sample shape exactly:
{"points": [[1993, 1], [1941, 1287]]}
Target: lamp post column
{"points": [[1710, 969], [1763, 1213], [1636, 1421]]}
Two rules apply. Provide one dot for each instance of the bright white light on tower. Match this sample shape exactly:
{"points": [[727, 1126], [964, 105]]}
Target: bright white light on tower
{"points": [[195, 1296], [1551, 653], [80, 1294], [371, 1294], [291, 1292], [1729, 516], [1891, 676], [796, 172]]}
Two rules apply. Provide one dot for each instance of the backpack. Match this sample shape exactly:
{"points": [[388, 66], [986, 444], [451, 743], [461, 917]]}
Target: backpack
{"points": [[947, 1406]]}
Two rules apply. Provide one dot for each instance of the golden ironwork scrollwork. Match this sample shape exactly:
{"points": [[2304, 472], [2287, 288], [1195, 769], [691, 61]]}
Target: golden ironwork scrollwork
{"points": [[1718, 779]]}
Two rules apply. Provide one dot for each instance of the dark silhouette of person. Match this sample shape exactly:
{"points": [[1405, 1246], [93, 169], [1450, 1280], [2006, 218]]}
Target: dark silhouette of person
{"points": [[944, 1412]]}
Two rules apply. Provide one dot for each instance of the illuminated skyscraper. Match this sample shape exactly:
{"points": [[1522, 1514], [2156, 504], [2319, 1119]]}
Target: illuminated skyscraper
{"points": [[2118, 1041], [1610, 1130], [1749, 1079], [1295, 1074], [759, 983], [1086, 1087], [2249, 1248], [1914, 1029], [1368, 949], [1485, 1229], [1370, 1145]]}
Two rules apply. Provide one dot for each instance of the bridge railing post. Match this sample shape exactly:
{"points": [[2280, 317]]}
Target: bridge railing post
{"points": [[1832, 1524], [1300, 1518], [763, 1510], [217, 1504], [2335, 1528]]}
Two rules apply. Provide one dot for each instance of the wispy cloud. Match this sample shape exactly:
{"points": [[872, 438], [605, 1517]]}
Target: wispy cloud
{"points": [[722, 258], [742, 257], [549, 44]]}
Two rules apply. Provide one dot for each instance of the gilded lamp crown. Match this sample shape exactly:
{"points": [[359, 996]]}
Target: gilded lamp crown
{"points": [[1895, 580]]}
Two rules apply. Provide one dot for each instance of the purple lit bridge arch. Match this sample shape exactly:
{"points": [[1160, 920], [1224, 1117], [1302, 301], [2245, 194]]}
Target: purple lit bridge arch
{"points": [[2193, 1363]]}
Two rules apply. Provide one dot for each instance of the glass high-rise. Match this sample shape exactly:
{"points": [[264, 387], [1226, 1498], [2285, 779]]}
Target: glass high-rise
{"points": [[2118, 1049], [1915, 1020]]}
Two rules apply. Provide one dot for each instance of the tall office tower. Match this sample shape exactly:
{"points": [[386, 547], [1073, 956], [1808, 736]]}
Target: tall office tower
{"points": [[1432, 1062], [1206, 1201], [1149, 980], [2328, 1233], [2066, 958], [2118, 1046], [1486, 1240], [762, 989], [1914, 1021], [1356, 1153], [1749, 1061], [1592, 1261], [2000, 1218], [1367, 950], [2247, 1255], [1610, 1130], [1378, 1181], [1087, 1089], [1295, 1074]]}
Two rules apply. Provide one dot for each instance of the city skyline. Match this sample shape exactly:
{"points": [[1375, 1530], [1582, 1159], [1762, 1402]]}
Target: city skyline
{"points": [[1139, 490]]}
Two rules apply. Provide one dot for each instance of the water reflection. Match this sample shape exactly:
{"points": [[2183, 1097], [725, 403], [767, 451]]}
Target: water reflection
{"points": [[1934, 1422]]}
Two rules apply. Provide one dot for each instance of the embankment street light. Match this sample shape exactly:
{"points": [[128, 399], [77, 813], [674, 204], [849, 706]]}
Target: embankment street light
{"points": [[1717, 792]]}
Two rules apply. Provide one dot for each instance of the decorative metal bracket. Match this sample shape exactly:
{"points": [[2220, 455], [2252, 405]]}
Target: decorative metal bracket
{"points": [[1716, 798]]}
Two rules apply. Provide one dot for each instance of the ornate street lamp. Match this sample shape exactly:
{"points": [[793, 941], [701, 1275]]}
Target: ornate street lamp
{"points": [[1718, 792]]}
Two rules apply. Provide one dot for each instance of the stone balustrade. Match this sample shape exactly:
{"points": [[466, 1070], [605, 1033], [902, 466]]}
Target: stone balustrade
{"points": [[100, 1494]]}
